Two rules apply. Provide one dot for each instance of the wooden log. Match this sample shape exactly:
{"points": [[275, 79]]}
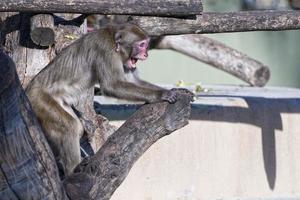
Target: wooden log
{"points": [[28, 169], [98, 177], [221, 22], [218, 55], [42, 29], [133, 7]]}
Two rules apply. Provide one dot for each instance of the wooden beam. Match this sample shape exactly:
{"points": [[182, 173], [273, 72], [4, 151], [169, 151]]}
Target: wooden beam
{"points": [[221, 22], [133, 7]]}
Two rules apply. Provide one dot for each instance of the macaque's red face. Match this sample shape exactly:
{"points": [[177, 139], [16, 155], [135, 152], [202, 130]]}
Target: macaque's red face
{"points": [[139, 52]]}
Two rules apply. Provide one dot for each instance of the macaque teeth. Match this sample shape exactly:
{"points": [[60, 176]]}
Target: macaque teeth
{"points": [[134, 60]]}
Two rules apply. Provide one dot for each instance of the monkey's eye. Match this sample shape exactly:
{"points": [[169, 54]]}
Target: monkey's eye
{"points": [[143, 44]]}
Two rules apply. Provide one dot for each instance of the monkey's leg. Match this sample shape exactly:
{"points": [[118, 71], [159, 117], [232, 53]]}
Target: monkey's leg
{"points": [[62, 129], [89, 130]]}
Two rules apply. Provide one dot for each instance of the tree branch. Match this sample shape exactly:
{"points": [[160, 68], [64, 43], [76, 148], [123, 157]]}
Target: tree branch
{"points": [[210, 22], [133, 7], [218, 55], [99, 177]]}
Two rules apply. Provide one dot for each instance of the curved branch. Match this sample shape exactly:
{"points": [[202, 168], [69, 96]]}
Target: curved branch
{"points": [[99, 177], [218, 55]]}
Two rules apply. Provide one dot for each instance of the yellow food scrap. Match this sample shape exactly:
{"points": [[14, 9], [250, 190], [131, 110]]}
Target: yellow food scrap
{"points": [[180, 83], [71, 37], [198, 88]]}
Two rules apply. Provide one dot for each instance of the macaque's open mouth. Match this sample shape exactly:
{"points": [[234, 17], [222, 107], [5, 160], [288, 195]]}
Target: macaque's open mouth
{"points": [[134, 60], [131, 63]]}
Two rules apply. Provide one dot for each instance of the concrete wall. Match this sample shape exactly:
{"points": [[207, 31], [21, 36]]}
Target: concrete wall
{"points": [[240, 143]]}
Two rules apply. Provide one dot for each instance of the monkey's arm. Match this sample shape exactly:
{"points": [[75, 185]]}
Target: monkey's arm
{"points": [[132, 91], [146, 84], [156, 87], [143, 83]]}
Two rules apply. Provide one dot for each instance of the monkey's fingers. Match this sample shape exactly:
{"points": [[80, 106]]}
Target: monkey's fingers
{"points": [[185, 91], [169, 96]]}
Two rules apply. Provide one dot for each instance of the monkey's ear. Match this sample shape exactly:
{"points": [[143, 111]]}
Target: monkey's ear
{"points": [[118, 39]]}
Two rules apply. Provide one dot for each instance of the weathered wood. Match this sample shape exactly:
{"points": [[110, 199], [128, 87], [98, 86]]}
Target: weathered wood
{"points": [[221, 22], [99, 177], [27, 165], [218, 55], [42, 29], [133, 7], [28, 57], [295, 4]]}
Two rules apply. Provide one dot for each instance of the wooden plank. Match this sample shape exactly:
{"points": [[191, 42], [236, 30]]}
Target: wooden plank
{"points": [[133, 7]]}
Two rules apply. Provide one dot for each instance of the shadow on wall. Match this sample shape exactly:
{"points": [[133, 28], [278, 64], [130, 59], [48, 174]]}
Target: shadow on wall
{"points": [[261, 112], [258, 114]]}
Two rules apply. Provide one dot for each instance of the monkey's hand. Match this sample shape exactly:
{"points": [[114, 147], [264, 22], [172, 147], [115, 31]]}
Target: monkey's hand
{"points": [[171, 96], [184, 91]]}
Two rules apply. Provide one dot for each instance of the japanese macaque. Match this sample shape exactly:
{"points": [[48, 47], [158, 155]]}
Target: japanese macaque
{"points": [[107, 56]]}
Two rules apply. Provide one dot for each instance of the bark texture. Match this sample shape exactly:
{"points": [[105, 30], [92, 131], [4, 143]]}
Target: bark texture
{"points": [[28, 57], [218, 55], [133, 7], [27, 165], [210, 22]]}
